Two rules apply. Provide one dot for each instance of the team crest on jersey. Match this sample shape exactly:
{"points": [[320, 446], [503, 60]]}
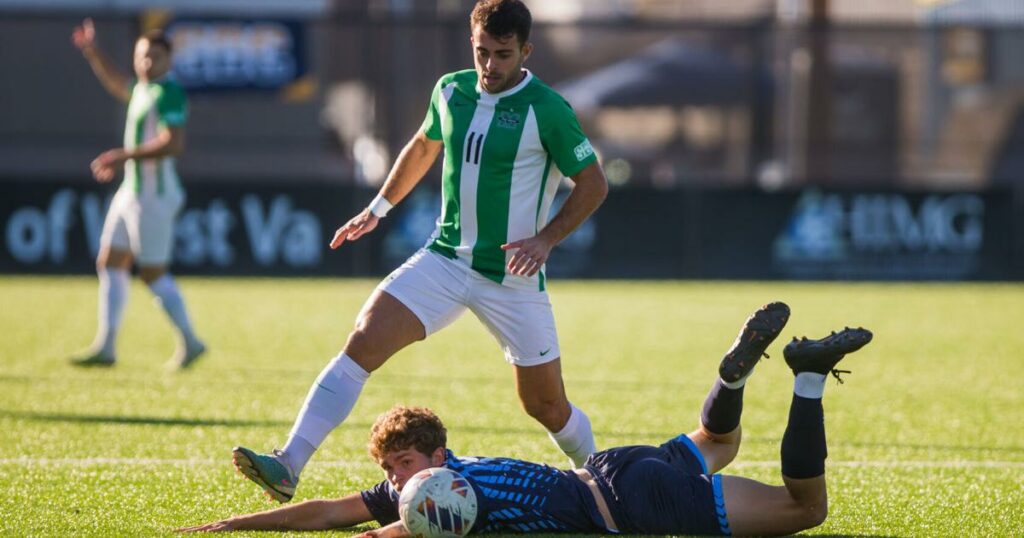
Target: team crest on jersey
{"points": [[583, 150], [509, 119]]}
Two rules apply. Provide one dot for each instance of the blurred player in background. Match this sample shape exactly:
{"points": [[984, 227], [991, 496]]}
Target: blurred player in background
{"points": [[140, 222], [507, 139]]}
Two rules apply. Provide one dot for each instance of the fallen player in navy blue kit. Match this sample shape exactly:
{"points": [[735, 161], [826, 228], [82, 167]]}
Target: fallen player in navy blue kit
{"points": [[674, 488]]}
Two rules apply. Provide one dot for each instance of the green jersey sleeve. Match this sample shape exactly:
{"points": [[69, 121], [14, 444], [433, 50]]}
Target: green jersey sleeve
{"points": [[172, 106], [432, 123], [563, 138]]}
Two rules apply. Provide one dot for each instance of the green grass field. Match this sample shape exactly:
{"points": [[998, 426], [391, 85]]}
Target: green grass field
{"points": [[926, 437]]}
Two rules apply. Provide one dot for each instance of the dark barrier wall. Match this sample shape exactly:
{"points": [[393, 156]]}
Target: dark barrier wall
{"points": [[227, 229]]}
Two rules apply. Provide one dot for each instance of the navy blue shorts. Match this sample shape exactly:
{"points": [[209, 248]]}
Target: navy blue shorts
{"points": [[661, 490]]}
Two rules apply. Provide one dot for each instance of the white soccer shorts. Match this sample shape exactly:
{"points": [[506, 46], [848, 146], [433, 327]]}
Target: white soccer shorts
{"points": [[438, 290], [143, 226]]}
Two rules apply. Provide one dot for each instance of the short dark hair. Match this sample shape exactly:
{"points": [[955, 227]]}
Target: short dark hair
{"points": [[157, 37], [502, 18]]}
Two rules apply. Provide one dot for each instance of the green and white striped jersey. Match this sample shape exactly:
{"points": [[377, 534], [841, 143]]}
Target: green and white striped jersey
{"points": [[504, 156], [152, 105]]}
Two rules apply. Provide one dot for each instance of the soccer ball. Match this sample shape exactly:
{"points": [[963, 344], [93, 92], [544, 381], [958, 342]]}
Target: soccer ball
{"points": [[436, 503]]}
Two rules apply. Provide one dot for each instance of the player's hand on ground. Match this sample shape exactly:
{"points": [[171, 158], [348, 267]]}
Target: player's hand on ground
{"points": [[106, 166], [394, 530], [84, 36], [355, 228], [529, 256]]}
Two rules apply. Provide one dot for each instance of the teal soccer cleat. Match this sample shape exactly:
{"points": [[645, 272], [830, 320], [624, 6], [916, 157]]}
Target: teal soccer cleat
{"points": [[268, 471]]}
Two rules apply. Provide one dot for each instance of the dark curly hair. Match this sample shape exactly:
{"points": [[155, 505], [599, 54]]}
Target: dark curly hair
{"points": [[502, 18], [404, 427]]}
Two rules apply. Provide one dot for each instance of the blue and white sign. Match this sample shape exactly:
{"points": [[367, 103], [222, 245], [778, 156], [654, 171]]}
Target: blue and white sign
{"points": [[230, 54]]}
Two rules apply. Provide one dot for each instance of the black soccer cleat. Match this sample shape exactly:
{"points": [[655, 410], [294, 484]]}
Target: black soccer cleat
{"points": [[821, 356], [757, 333]]}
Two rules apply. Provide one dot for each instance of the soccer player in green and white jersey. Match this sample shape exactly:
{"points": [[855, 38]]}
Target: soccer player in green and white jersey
{"points": [[508, 139], [140, 222]]}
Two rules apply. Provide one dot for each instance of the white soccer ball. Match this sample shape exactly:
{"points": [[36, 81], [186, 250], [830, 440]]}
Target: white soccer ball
{"points": [[436, 503]]}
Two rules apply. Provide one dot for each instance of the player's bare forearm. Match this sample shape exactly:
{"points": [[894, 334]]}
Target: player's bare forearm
{"points": [[411, 165], [84, 38], [169, 142], [394, 530], [588, 194], [112, 80], [531, 253], [305, 516]]}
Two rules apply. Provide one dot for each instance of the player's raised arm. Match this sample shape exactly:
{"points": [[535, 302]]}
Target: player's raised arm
{"points": [[306, 516], [588, 194], [412, 164], [115, 82]]}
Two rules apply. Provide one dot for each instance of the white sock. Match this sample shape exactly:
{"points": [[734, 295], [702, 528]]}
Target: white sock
{"points": [[171, 300], [809, 385], [330, 400], [576, 439], [296, 453], [739, 382], [114, 286]]}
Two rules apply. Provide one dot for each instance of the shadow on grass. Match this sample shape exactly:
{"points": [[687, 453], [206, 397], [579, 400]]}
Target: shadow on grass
{"points": [[184, 421], [148, 421], [236, 423], [852, 535]]}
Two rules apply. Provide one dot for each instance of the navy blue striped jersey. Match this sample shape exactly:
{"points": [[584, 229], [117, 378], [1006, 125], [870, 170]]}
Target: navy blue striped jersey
{"points": [[512, 496]]}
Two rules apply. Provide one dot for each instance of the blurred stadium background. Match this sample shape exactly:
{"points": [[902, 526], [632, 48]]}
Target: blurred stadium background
{"points": [[758, 139], [767, 140]]}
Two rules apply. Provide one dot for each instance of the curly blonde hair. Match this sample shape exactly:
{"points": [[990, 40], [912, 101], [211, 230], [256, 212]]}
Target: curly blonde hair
{"points": [[402, 427]]}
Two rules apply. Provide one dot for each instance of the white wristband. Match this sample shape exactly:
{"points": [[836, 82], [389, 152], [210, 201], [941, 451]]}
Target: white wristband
{"points": [[380, 206]]}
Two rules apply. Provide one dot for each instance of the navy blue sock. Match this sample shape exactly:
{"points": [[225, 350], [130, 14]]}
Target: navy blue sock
{"points": [[803, 444], [722, 408]]}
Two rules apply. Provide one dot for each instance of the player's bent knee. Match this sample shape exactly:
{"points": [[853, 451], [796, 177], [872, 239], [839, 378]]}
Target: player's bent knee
{"points": [[362, 345], [151, 274], [817, 515], [553, 414], [812, 515]]}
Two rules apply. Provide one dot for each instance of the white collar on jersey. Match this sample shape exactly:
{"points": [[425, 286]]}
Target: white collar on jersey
{"points": [[493, 97]]}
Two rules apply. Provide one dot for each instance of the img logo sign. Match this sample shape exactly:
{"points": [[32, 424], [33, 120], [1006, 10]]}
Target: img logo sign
{"points": [[883, 236]]}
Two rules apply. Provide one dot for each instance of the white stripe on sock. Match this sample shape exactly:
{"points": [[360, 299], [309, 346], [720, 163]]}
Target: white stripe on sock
{"points": [[809, 385]]}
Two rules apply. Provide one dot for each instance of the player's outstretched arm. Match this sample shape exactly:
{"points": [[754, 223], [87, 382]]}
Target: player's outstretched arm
{"points": [[394, 530], [588, 194], [169, 141], [306, 516], [412, 164], [116, 83]]}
